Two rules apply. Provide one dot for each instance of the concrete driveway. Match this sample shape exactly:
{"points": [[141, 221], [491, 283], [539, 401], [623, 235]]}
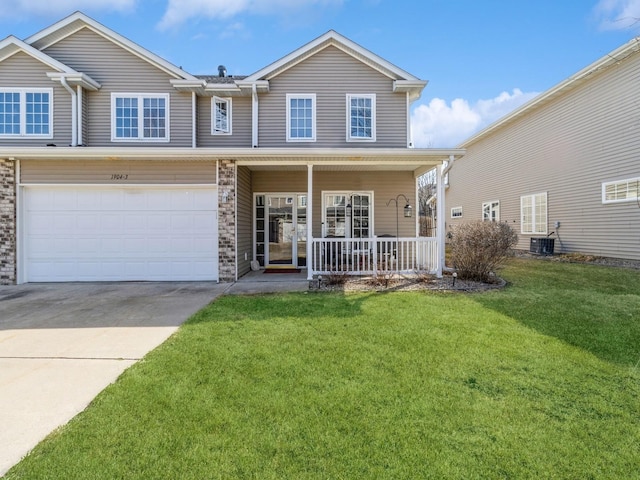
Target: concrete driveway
{"points": [[61, 344]]}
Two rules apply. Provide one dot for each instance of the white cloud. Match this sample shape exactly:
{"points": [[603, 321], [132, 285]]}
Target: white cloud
{"points": [[438, 125], [618, 14], [25, 8], [179, 11]]}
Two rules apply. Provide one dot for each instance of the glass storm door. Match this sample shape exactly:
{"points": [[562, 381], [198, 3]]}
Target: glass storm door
{"points": [[281, 230]]}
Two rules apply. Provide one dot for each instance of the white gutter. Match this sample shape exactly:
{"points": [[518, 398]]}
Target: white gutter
{"points": [[80, 140], [254, 116], [74, 111]]}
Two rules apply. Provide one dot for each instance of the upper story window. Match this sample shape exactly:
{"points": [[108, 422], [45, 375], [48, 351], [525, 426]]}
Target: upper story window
{"points": [[491, 211], [221, 111], [26, 112], [361, 118], [301, 117], [621, 191], [139, 117], [533, 213]]}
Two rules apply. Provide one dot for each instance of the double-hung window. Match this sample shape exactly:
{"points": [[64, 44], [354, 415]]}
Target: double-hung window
{"points": [[361, 118], [301, 117], [533, 213], [221, 113], [140, 117], [491, 211], [621, 191], [26, 112]]}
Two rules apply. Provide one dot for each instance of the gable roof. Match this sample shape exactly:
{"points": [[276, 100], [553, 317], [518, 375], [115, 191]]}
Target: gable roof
{"points": [[12, 45], [403, 81], [78, 20], [609, 60]]}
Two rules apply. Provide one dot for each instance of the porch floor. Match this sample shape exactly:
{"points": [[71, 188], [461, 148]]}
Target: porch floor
{"points": [[260, 276]]}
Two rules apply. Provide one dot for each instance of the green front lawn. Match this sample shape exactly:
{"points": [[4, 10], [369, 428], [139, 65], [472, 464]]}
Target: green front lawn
{"points": [[539, 380]]}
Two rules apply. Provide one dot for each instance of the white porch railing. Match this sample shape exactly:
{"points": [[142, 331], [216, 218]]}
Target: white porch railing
{"points": [[374, 256]]}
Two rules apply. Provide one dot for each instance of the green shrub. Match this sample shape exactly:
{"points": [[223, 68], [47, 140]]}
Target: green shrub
{"points": [[479, 248]]}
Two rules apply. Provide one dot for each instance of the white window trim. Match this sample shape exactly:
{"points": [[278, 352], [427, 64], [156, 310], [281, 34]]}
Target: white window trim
{"points": [[490, 204], [228, 101], [140, 97], [533, 214], [311, 96], [23, 112], [372, 96], [346, 193], [622, 200], [454, 210]]}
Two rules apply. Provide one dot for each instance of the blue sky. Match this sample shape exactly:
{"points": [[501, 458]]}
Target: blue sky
{"points": [[481, 58]]}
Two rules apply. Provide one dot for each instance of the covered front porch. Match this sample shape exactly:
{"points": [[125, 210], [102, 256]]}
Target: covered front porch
{"points": [[352, 212]]}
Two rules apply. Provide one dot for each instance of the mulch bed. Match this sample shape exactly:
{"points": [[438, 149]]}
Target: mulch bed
{"points": [[344, 283], [403, 283]]}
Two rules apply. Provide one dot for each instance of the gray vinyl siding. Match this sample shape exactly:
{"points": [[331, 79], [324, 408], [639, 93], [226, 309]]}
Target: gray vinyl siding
{"points": [[384, 185], [332, 74], [245, 221], [24, 71], [567, 148], [102, 172], [118, 70], [240, 124]]}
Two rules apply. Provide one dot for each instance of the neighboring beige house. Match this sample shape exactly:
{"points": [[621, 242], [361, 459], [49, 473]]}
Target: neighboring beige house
{"points": [[565, 165], [117, 165]]}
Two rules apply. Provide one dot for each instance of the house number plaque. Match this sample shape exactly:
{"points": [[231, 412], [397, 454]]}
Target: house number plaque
{"points": [[119, 176]]}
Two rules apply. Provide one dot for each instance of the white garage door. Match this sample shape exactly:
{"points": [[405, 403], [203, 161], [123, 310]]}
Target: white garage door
{"points": [[120, 233]]}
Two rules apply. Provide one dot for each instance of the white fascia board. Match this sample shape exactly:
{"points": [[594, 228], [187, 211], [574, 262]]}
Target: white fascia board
{"points": [[76, 78], [611, 59], [132, 47], [12, 45], [262, 86], [333, 38], [297, 155], [188, 85], [413, 87]]}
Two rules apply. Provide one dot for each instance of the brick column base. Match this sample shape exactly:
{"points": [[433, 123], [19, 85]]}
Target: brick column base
{"points": [[8, 234], [227, 220]]}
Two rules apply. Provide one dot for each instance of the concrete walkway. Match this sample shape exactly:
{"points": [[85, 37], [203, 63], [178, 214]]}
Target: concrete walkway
{"points": [[62, 344]]}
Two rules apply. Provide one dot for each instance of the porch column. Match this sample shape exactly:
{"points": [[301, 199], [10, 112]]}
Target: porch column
{"points": [[440, 214], [309, 222]]}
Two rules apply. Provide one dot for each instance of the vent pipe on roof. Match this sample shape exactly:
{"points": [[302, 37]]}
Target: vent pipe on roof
{"points": [[222, 71]]}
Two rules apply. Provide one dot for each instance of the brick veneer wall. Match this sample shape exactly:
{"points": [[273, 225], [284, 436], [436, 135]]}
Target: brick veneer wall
{"points": [[227, 220], [7, 222]]}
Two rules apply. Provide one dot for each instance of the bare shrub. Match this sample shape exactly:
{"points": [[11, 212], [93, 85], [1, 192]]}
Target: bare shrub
{"points": [[479, 248], [335, 278]]}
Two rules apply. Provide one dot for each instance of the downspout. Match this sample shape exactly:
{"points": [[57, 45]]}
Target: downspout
{"points": [[193, 120], [409, 133], [74, 112], [80, 110], [254, 116]]}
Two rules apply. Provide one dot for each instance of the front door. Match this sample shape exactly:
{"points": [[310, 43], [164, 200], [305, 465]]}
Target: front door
{"points": [[281, 237]]}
